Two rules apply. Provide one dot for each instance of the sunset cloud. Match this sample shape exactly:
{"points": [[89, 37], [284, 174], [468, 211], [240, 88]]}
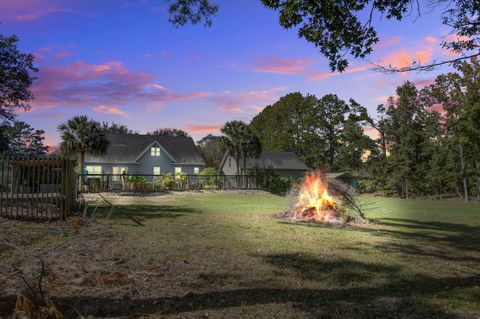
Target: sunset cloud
{"points": [[240, 102], [437, 108], [371, 132], [430, 39], [27, 10], [383, 43], [108, 110], [109, 83], [194, 129], [424, 82], [403, 58], [299, 67], [282, 66]]}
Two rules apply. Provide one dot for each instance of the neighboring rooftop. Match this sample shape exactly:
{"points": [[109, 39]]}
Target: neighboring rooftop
{"points": [[275, 160], [126, 148]]}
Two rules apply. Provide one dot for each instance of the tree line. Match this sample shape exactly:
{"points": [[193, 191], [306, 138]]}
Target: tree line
{"points": [[426, 143]]}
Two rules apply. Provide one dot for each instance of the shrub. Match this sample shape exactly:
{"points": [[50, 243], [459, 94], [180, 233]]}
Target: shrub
{"points": [[367, 186], [210, 175], [208, 171], [181, 177], [269, 181], [168, 181], [138, 183]]}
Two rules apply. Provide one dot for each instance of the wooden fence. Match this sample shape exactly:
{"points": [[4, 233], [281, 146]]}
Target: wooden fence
{"points": [[159, 183], [36, 188]]}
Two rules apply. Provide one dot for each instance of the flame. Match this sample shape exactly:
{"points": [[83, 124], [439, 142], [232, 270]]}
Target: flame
{"points": [[314, 197]]}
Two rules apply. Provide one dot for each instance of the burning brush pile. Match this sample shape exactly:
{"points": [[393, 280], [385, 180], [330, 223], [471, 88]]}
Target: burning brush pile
{"points": [[318, 200]]}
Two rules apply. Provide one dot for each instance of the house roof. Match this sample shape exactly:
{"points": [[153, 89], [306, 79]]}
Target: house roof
{"points": [[274, 160], [126, 148], [339, 175]]}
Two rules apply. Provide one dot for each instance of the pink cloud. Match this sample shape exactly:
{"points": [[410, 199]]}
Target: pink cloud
{"points": [[423, 56], [282, 66], [437, 108], [239, 102], [299, 66], [27, 10], [424, 82], [84, 84], [108, 110], [320, 76], [402, 58], [39, 13], [202, 129], [383, 43], [430, 39], [371, 132]]}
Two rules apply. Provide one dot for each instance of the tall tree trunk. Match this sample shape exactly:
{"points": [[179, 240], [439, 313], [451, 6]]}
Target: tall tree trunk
{"points": [[406, 189], [465, 186], [237, 162], [384, 145], [82, 166]]}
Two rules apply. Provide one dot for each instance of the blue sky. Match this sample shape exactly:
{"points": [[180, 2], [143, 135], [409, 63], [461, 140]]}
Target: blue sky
{"points": [[122, 61]]}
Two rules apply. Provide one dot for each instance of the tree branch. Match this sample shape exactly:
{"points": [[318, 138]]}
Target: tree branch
{"points": [[418, 66]]}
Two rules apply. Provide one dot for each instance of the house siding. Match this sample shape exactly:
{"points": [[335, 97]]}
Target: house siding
{"points": [[290, 173], [232, 170], [229, 170], [147, 162]]}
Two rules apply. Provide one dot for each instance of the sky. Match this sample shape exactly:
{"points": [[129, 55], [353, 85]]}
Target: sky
{"points": [[122, 61]]}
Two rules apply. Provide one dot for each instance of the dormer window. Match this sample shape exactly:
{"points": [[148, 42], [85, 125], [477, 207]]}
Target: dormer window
{"points": [[155, 151]]}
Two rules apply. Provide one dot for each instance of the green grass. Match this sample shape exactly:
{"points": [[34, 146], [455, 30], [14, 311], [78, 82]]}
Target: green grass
{"points": [[416, 259], [225, 255]]}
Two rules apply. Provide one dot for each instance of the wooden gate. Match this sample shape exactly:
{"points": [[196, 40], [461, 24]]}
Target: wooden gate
{"points": [[36, 188]]}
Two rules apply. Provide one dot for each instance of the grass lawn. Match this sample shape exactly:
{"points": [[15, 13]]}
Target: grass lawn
{"points": [[225, 255]]}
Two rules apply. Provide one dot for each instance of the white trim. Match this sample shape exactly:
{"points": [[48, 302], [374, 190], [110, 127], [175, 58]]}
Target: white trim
{"points": [[148, 149]]}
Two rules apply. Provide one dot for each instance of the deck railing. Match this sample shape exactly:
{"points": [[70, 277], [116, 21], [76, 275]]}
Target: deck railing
{"points": [[164, 182], [36, 188]]}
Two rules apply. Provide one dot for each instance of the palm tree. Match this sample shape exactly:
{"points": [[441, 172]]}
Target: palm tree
{"points": [[240, 142], [82, 135], [232, 140]]}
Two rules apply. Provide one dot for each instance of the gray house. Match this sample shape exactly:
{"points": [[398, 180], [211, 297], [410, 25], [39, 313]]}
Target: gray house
{"points": [[345, 178], [146, 154], [283, 164]]}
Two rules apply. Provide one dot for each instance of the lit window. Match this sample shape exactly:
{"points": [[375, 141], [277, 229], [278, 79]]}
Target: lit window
{"points": [[156, 170], [196, 170], [178, 170], [92, 169], [117, 171], [155, 151]]}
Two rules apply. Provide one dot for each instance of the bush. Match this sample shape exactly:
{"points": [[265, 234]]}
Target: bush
{"points": [[168, 181], [181, 177], [210, 175], [208, 171], [138, 183], [271, 182], [367, 186]]}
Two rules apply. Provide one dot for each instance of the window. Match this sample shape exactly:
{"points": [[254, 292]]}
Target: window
{"points": [[117, 171], [156, 170], [229, 162], [93, 169], [196, 170], [178, 170], [155, 151]]}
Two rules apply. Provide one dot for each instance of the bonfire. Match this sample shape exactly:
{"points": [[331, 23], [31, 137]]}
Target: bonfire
{"points": [[312, 201]]}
